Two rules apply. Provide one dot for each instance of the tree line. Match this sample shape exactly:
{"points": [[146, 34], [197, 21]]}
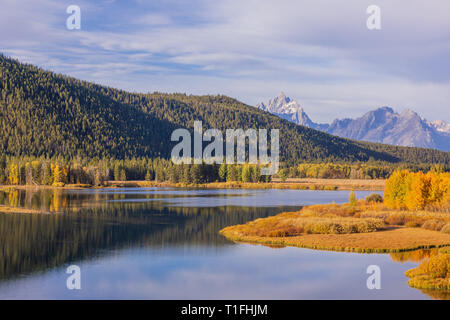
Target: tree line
{"points": [[60, 171], [362, 170]]}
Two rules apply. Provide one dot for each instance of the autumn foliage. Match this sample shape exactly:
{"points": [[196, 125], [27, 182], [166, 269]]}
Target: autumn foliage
{"points": [[416, 191]]}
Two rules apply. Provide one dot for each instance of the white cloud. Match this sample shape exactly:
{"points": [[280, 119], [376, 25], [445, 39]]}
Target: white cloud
{"points": [[319, 52]]}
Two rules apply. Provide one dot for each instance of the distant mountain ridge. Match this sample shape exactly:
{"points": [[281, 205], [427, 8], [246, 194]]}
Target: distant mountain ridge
{"points": [[382, 125], [43, 114]]}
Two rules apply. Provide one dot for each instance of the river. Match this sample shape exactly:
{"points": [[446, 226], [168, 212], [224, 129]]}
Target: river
{"points": [[163, 243]]}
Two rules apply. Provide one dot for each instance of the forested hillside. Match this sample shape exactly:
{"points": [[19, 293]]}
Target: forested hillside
{"points": [[45, 114]]}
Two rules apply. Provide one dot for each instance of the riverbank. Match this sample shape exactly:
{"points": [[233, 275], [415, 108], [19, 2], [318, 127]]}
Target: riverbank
{"points": [[343, 228], [13, 210], [386, 241], [293, 184]]}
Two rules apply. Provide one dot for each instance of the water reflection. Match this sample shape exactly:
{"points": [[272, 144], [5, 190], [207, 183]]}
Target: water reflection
{"points": [[414, 256], [84, 225], [160, 238]]}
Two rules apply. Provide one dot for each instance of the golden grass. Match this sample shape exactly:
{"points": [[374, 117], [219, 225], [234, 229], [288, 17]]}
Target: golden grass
{"points": [[297, 184], [292, 224], [386, 241], [343, 228], [433, 273], [340, 184], [291, 184]]}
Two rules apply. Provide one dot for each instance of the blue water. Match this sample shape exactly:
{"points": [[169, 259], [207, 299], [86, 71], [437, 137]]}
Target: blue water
{"points": [[164, 244]]}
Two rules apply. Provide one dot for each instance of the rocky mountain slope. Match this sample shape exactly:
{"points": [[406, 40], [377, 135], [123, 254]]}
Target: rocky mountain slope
{"points": [[382, 125]]}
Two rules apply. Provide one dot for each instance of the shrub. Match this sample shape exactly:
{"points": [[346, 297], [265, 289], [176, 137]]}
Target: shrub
{"points": [[433, 273], [339, 225], [374, 197], [446, 228], [287, 232], [352, 198], [396, 218], [434, 225], [413, 224]]}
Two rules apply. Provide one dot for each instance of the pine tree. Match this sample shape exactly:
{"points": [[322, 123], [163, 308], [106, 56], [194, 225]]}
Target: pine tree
{"points": [[122, 175], [223, 172], [246, 174], [148, 176], [282, 174], [352, 198], [196, 174], [2, 169], [187, 174]]}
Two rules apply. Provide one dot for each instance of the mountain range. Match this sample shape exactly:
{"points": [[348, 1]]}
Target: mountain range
{"points": [[382, 125], [44, 114]]}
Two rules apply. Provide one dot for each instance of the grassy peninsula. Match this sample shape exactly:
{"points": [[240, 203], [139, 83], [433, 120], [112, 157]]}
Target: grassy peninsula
{"points": [[364, 227], [433, 273], [414, 214]]}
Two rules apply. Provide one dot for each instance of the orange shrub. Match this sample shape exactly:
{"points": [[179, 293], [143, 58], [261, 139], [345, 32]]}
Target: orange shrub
{"points": [[434, 225]]}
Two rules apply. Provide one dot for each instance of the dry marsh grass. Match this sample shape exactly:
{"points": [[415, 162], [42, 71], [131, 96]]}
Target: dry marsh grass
{"points": [[364, 227], [385, 241], [292, 224], [433, 273], [297, 184]]}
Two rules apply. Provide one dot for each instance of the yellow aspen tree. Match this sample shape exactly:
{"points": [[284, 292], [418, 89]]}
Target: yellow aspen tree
{"points": [[57, 174], [13, 174]]}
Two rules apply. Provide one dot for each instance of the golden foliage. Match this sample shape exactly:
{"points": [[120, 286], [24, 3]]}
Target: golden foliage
{"points": [[415, 191], [433, 273]]}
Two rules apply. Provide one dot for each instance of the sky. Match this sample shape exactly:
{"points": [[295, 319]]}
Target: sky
{"points": [[319, 52]]}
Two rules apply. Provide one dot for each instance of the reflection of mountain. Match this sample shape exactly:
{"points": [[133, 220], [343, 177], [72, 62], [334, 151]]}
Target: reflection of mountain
{"points": [[30, 243]]}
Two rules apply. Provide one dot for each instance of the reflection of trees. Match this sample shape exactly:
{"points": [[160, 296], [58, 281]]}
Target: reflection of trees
{"points": [[418, 256], [414, 256], [30, 242], [56, 200]]}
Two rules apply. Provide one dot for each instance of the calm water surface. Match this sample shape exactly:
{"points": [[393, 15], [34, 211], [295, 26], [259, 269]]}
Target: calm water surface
{"points": [[160, 243]]}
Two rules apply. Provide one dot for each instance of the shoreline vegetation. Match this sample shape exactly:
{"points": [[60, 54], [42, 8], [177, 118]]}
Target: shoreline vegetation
{"points": [[276, 183], [364, 228], [414, 214], [99, 172], [294, 184], [290, 184], [433, 273]]}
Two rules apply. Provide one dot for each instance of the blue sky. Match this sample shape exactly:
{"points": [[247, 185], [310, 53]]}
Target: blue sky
{"points": [[318, 52]]}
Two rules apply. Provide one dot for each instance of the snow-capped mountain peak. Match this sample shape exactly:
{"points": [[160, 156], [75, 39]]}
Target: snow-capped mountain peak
{"points": [[441, 126], [380, 125], [286, 108]]}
